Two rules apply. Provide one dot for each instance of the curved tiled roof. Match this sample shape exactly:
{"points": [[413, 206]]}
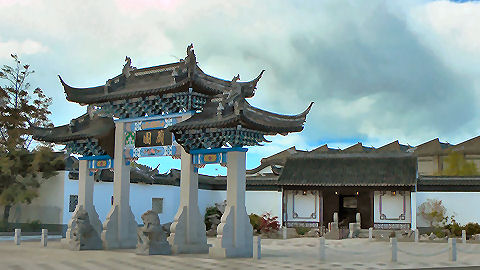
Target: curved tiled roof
{"points": [[157, 80], [83, 127], [356, 169], [246, 116]]}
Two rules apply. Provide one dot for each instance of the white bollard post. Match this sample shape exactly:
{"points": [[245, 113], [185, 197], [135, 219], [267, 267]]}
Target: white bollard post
{"points": [[322, 249], [44, 237], [416, 235], [394, 243], [257, 248], [464, 236], [18, 235], [284, 232], [370, 233], [452, 246]]}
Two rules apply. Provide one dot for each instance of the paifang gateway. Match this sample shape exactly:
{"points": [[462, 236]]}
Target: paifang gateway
{"points": [[168, 110]]}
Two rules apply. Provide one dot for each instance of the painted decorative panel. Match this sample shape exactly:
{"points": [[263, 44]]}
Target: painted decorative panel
{"points": [[392, 207], [100, 164], [200, 160], [155, 151], [302, 205], [147, 137]]}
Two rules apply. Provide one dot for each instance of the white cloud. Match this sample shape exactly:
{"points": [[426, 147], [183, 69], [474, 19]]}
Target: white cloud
{"points": [[25, 47], [377, 71]]}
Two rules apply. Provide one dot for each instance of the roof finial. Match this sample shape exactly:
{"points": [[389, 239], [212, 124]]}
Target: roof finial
{"points": [[127, 68]]}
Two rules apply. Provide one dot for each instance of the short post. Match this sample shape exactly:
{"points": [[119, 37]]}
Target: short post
{"points": [[464, 236], [370, 233], [452, 249], [18, 235], [257, 247], [44, 237], [322, 249], [394, 243], [416, 235], [284, 232]]}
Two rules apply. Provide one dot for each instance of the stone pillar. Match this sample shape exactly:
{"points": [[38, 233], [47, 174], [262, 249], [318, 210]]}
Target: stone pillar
{"points": [[188, 233], [234, 233], [120, 227], [413, 207], [85, 199], [452, 249], [18, 236], [393, 242], [44, 238]]}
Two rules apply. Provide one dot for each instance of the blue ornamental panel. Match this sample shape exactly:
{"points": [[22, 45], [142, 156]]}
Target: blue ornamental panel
{"points": [[202, 157], [155, 151], [200, 160], [100, 164]]}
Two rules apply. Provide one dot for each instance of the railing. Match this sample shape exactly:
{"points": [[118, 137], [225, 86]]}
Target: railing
{"points": [[451, 249]]}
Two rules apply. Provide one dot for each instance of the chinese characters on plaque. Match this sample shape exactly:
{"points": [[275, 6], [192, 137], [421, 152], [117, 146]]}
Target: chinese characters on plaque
{"points": [[153, 137]]}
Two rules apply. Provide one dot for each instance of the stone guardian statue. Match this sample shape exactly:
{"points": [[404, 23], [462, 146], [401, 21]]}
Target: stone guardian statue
{"points": [[151, 239]]}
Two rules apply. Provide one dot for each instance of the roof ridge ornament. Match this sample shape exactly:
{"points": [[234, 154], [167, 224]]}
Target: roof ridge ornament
{"points": [[127, 68], [190, 61]]}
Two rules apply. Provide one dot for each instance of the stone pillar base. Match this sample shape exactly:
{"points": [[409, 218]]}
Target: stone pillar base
{"points": [[188, 234], [112, 238], [235, 237]]}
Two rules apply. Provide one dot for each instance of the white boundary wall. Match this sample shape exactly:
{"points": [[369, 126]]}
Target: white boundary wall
{"points": [[141, 196], [464, 205], [47, 207]]}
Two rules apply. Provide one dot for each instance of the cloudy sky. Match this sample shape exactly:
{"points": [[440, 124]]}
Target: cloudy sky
{"points": [[377, 71]]}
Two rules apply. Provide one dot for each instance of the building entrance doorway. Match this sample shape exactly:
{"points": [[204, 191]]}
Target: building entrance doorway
{"points": [[347, 210]]}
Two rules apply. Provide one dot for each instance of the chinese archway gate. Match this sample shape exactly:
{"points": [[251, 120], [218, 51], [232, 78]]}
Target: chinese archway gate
{"points": [[169, 110]]}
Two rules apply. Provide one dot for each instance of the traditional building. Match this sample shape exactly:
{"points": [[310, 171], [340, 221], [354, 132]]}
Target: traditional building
{"points": [[376, 185]]}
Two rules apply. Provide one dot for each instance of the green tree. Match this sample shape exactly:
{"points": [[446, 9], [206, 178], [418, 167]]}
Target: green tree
{"points": [[21, 168], [456, 165]]}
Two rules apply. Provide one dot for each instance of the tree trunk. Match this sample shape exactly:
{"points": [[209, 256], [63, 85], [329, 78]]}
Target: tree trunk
{"points": [[6, 212]]}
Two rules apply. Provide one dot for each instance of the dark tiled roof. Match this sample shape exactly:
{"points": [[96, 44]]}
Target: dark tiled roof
{"points": [[324, 149], [158, 80], [433, 147], [358, 148], [358, 169], [245, 116], [83, 127], [449, 183], [393, 147], [274, 160]]}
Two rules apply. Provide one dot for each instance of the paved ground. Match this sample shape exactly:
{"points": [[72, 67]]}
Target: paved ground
{"points": [[300, 253]]}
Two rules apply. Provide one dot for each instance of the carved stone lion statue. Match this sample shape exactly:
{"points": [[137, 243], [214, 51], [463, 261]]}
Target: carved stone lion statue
{"points": [[84, 236], [151, 239]]}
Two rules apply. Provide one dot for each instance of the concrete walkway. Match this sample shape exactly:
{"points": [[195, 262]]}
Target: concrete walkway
{"points": [[300, 253]]}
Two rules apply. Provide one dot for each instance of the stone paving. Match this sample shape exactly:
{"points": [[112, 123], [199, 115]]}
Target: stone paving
{"points": [[299, 253]]}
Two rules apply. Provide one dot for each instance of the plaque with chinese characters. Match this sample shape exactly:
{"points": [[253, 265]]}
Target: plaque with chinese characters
{"points": [[153, 137]]}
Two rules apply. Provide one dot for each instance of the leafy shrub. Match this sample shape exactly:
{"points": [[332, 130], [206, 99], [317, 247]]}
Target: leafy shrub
{"points": [[472, 228], [302, 230], [256, 221], [269, 223], [34, 226], [265, 223], [439, 232], [4, 226]]}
